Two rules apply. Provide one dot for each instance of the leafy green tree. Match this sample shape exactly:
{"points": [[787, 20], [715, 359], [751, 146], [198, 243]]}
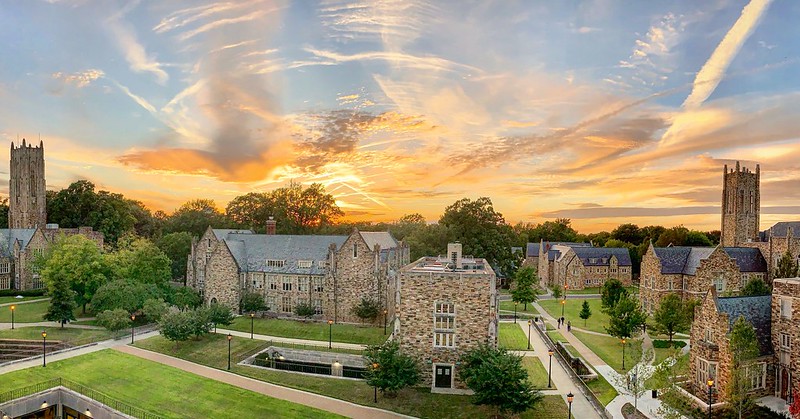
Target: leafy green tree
{"points": [[114, 320], [253, 302], [612, 292], [305, 209], [177, 326], [304, 310], [62, 299], [597, 239], [185, 298], [195, 217], [787, 266], [525, 290], [691, 304], [145, 225], [389, 369], [123, 294], [697, 238], [672, 316], [585, 313], [482, 231], [220, 314], [406, 225], [629, 233], [744, 349], [78, 259], [756, 286], [367, 309], [675, 236], [139, 260], [428, 240], [625, 318], [154, 309], [559, 230], [177, 247], [3, 212], [252, 210], [200, 320], [498, 379], [557, 290]]}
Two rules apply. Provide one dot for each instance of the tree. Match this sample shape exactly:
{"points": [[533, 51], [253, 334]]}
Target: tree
{"points": [[195, 216], [389, 369], [304, 209], [612, 292], [787, 266], [253, 302], [252, 210], [141, 261], [744, 348], [482, 232], [672, 316], [305, 310], [697, 238], [145, 225], [556, 290], [220, 314], [123, 294], [559, 230], [3, 212], [200, 321], [585, 313], [62, 299], [114, 320], [177, 247], [406, 225], [78, 259], [185, 298], [176, 326], [524, 282], [675, 236], [498, 379], [755, 286], [367, 309], [154, 309], [630, 233], [625, 318], [427, 240]]}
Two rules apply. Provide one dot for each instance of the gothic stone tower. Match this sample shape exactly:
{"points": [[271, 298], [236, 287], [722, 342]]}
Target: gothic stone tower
{"points": [[741, 206], [26, 200]]}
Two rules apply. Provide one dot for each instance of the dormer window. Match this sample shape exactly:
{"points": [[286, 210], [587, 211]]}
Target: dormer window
{"points": [[304, 263], [275, 263]]}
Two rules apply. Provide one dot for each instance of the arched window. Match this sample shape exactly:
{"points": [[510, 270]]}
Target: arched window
{"points": [[214, 300]]}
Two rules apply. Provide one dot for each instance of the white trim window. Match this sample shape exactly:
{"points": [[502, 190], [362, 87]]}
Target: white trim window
{"points": [[287, 283], [444, 340], [271, 303], [705, 370], [786, 308], [273, 282], [303, 264], [317, 306], [286, 304], [444, 325], [757, 373], [275, 263], [719, 284], [786, 342], [5, 267], [319, 285], [302, 284]]}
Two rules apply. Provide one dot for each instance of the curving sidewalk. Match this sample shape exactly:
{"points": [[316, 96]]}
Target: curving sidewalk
{"points": [[279, 339]]}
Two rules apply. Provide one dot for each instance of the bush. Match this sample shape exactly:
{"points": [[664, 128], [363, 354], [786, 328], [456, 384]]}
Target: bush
{"points": [[220, 315], [154, 309], [114, 320], [305, 310], [253, 302], [661, 344], [389, 369], [123, 294], [177, 326], [367, 309], [185, 298], [26, 293]]}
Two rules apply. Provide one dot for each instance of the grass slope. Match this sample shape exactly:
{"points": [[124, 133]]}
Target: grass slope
{"points": [[512, 337], [346, 333], [69, 335], [537, 374], [597, 322], [609, 349], [179, 394], [30, 313]]}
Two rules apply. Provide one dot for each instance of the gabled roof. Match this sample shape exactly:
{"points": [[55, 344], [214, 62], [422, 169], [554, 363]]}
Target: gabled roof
{"points": [[781, 229], [252, 251], [222, 233], [757, 310], [749, 259], [673, 259], [9, 235], [602, 255], [685, 260], [532, 250], [382, 238]]}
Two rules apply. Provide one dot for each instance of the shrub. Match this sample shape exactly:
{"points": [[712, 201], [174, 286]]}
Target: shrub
{"points": [[661, 344], [252, 302], [305, 310], [220, 314], [367, 309], [389, 369], [154, 309], [114, 320]]}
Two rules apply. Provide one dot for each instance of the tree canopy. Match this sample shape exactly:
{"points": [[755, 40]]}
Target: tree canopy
{"points": [[389, 369], [672, 316], [612, 292], [525, 289], [787, 266], [625, 318], [77, 260]]}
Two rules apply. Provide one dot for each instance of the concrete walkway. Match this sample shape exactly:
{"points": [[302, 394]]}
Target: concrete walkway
{"points": [[15, 303], [296, 396], [51, 325], [581, 408], [279, 339]]}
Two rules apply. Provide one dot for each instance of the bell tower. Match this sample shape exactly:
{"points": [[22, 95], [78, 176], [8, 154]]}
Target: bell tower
{"points": [[741, 206], [26, 200]]}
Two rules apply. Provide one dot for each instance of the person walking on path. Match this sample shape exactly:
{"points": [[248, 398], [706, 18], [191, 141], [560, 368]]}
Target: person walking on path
{"points": [[569, 326]]}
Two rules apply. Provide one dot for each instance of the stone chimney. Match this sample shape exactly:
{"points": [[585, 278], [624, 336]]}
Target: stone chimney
{"points": [[271, 224], [454, 254]]}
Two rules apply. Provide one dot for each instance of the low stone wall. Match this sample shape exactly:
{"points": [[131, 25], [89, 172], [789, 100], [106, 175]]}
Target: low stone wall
{"points": [[578, 364]]}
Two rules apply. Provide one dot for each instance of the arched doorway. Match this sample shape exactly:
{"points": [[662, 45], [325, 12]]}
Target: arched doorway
{"points": [[784, 383], [214, 300]]}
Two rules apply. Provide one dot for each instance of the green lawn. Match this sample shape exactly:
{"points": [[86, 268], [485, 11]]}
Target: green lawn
{"points": [[512, 337], [30, 313], [72, 336], [5, 300], [509, 306], [664, 353], [212, 351], [596, 322], [610, 349], [179, 394], [537, 374], [602, 389], [346, 333], [596, 290]]}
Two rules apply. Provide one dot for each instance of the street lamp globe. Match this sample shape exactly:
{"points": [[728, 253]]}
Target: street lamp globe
{"points": [[550, 352], [710, 382], [44, 334], [230, 336], [570, 397]]}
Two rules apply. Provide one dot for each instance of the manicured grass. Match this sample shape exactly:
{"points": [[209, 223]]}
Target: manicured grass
{"points": [[509, 306], [597, 322], [212, 351], [4, 300], [30, 313], [596, 290], [512, 337], [609, 349], [537, 374], [602, 389], [160, 389], [69, 335], [86, 322], [346, 333], [664, 353]]}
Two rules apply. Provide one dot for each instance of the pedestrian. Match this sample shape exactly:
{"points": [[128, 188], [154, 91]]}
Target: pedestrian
{"points": [[559, 323], [569, 326]]}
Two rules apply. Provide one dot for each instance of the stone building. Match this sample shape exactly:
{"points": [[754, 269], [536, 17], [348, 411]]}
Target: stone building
{"points": [[446, 306], [580, 265], [741, 206], [26, 192], [330, 273], [710, 354], [690, 271], [786, 336], [548, 253]]}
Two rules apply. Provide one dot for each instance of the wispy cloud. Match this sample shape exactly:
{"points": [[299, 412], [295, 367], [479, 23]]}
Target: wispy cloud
{"points": [[80, 79], [135, 54]]}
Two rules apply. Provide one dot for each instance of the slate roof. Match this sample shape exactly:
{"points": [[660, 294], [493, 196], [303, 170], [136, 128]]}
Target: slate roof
{"points": [[222, 233], [685, 260], [382, 238], [251, 251], [602, 253], [757, 310], [553, 254], [749, 259], [781, 229], [532, 250], [9, 235], [673, 259]]}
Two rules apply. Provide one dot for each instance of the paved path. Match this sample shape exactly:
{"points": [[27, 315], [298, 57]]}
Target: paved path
{"points": [[278, 339], [52, 325], [581, 408], [15, 303], [296, 396]]}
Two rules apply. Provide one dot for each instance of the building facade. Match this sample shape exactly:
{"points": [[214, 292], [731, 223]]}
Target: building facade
{"points": [[741, 206], [445, 307], [330, 273], [580, 265], [26, 187], [786, 336]]}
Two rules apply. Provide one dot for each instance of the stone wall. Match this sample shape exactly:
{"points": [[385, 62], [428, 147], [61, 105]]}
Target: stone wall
{"points": [[786, 359], [474, 297], [27, 195], [718, 265], [570, 269], [355, 274], [741, 206], [28, 279], [222, 283]]}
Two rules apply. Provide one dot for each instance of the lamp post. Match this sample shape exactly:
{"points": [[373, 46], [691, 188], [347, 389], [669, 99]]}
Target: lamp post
{"points": [[375, 368], [330, 333], [710, 383], [229, 351], [385, 313], [12, 316], [550, 369], [44, 348], [564, 301], [623, 354], [529, 334], [515, 311], [252, 316], [133, 317], [570, 396]]}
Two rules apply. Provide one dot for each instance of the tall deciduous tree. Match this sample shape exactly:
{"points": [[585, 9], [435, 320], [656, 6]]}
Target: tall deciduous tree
{"points": [[612, 292], [125, 294], [389, 369], [78, 259], [177, 247], [141, 261], [585, 313], [525, 289], [756, 286], [625, 318], [114, 320], [62, 299], [305, 209], [428, 240], [177, 326], [498, 379], [195, 216], [407, 225], [672, 316], [787, 266], [744, 348], [252, 210], [79, 205]]}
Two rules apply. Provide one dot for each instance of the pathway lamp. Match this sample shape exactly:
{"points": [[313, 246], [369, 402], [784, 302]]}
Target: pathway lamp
{"points": [[623, 354], [570, 397], [252, 317], [563, 304], [515, 310], [375, 369], [550, 369], [12, 316], [330, 333], [133, 317], [230, 337], [529, 334], [44, 348], [385, 313], [710, 383]]}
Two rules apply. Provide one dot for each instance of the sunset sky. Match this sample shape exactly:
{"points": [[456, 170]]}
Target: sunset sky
{"points": [[601, 111]]}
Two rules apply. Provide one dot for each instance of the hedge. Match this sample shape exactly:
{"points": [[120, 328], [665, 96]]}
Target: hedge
{"points": [[26, 293], [658, 343]]}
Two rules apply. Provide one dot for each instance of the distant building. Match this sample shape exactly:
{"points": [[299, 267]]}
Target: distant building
{"points": [[26, 187], [330, 273], [446, 306], [579, 265]]}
